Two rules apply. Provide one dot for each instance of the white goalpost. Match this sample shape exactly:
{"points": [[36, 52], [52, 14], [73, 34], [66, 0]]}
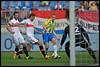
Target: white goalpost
{"points": [[72, 33], [81, 56]]}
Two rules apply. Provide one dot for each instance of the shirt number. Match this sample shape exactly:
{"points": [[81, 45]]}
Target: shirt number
{"points": [[76, 29]]}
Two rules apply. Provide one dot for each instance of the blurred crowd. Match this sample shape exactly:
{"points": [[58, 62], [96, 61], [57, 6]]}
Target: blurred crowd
{"points": [[25, 7], [89, 6]]}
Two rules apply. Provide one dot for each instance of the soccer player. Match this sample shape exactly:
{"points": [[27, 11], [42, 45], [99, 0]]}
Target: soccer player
{"points": [[18, 39], [81, 39], [50, 35], [30, 25]]}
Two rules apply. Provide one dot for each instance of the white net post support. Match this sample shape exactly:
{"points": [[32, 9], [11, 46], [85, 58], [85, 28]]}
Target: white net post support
{"points": [[72, 33]]}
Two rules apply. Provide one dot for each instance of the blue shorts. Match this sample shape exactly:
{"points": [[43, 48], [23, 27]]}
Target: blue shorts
{"points": [[47, 37]]}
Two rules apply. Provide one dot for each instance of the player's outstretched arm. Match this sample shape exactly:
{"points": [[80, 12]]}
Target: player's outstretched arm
{"points": [[64, 36], [37, 31], [58, 38], [16, 24]]}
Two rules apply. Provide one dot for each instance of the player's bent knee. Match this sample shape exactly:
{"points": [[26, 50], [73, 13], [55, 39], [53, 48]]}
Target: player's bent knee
{"points": [[53, 41], [85, 46], [24, 44], [39, 43]]}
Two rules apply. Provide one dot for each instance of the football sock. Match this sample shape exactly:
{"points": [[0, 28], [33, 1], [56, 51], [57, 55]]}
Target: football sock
{"points": [[46, 51], [55, 49], [25, 51], [91, 52], [67, 51], [42, 50]]}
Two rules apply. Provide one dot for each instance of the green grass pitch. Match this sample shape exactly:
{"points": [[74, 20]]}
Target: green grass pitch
{"points": [[82, 59]]}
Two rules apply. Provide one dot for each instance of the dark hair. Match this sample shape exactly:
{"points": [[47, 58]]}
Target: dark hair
{"points": [[32, 14], [15, 12]]}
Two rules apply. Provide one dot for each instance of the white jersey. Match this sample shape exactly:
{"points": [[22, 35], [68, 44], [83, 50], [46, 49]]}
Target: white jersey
{"points": [[30, 28], [30, 25], [14, 28], [17, 37]]}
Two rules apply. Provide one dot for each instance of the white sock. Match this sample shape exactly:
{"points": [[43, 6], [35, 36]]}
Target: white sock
{"points": [[55, 50]]}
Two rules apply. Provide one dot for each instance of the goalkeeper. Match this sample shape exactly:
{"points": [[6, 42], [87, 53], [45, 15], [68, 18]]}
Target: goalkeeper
{"points": [[81, 39]]}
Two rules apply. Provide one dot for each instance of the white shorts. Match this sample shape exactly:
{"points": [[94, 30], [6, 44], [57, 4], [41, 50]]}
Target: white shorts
{"points": [[18, 38], [31, 38]]}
